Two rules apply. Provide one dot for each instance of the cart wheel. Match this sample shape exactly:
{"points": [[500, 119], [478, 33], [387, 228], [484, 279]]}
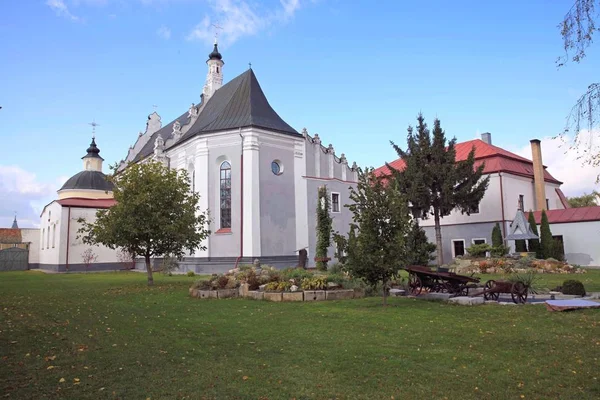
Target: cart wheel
{"points": [[489, 285], [415, 285], [519, 293]]}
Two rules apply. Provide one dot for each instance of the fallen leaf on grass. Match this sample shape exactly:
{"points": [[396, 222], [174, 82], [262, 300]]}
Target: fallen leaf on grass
{"points": [[245, 377], [61, 380], [50, 367]]}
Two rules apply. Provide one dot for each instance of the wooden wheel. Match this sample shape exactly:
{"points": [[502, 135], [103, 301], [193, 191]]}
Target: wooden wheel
{"points": [[415, 285], [519, 293], [489, 285]]}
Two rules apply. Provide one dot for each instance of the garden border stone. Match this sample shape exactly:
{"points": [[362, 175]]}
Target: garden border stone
{"points": [[314, 295], [293, 296], [343, 294], [273, 296]]}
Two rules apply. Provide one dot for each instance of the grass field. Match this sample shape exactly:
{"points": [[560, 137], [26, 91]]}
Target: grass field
{"points": [[108, 336]]}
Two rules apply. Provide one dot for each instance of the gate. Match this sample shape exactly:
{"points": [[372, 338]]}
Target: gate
{"points": [[14, 259]]}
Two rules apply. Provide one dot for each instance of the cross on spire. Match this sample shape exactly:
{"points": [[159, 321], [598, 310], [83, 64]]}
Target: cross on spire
{"points": [[217, 27], [249, 65], [94, 124]]}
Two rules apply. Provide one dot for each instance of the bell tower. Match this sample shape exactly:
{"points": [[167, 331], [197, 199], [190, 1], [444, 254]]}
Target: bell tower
{"points": [[214, 77]]}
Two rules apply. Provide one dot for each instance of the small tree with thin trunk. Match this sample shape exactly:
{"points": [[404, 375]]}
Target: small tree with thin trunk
{"points": [[377, 242], [534, 244], [433, 181], [324, 229], [88, 257], [156, 214]]}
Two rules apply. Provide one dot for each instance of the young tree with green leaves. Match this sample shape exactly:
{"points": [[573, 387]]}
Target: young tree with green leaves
{"points": [[585, 200], [546, 241], [324, 229], [534, 244], [433, 181], [156, 214], [420, 249], [377, 242]]}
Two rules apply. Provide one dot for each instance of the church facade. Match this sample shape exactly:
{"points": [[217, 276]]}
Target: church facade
{"points": [[257, 176]]}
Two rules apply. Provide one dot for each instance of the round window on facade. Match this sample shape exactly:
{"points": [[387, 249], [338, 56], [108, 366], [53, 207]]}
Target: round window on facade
{"points": [[276, 167]]}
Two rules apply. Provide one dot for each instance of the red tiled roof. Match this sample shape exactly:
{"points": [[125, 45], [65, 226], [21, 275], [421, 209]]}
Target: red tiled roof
{"points": [[582, 214], [87, 203], [563, 198], [10, 235], [496, 160]]}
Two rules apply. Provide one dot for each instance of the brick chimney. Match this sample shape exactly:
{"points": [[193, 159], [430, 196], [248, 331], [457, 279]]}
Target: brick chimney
{"points": [[486, 137], [538, 175]]}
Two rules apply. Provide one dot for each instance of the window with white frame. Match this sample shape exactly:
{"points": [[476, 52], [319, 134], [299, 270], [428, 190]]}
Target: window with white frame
{"points": [[479, 241], [458, 247], [335, 202], [225, 194]]}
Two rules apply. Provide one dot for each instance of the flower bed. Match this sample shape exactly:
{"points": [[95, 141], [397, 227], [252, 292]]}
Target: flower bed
{"points": [[511, 265], [291, 284]]}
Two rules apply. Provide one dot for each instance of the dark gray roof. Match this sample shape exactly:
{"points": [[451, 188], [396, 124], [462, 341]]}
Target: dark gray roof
{"points": [[93, 151], [520, 228], [15, 225], [94, 180], [238, 104]]}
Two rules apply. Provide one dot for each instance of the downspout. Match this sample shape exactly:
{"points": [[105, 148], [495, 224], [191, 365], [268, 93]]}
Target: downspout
{"points": [[68, 232], [502, 205], [241, 202]]}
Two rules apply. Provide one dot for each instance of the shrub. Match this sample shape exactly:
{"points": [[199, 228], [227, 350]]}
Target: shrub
{"points": [[530, 279], [295, 273], [499, 251], [557, 250], [420, 250], [574, 287], [253, 282], [191, 273], [314, 283], [524, 262], [202, 285], [271, 286], [222, 281], [336, 268], [479, 250]]}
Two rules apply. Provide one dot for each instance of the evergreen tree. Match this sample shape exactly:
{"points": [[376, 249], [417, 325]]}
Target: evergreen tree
{"points": [[377, 246], [534, 244], [419, 248], [324, 229], [497, 240], [546, 241], [433, 181]]}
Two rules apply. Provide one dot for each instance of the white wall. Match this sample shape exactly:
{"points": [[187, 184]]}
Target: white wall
{"points": [[554, 202], [76, 245], [32, 236], [51, 220], [581, 241]]}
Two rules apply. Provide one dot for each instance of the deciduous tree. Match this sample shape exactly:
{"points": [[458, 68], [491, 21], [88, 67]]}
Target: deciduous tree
{"points": [[433, 181], [155, 214], [377, 242], [585, 200]]}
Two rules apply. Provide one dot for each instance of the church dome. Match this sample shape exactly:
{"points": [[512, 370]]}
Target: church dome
{"points": [[88, 180], [215, 55]]}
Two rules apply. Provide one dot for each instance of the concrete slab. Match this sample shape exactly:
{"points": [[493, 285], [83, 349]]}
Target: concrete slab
{"points": [[397, 292], [273, 296], [343, 294], [466, 301], [227, 293], [207, 294], [255, 294], [293, 296]]}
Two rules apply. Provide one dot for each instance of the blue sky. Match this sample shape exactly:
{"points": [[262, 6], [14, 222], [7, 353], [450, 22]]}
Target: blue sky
{"points": [[355, 72]]}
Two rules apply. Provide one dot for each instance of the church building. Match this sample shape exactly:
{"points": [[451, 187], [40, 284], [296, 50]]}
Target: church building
{"points": [[257, 176]]}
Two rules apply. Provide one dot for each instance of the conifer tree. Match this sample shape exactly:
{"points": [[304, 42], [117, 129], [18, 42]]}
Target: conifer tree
{"points": [[497, 240], [534, 244], [418, 246], [433, 181], [546, 241], [324, 229]]}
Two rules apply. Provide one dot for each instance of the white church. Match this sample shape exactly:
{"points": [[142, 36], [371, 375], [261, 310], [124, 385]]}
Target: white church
{"points": [[257, 176]]}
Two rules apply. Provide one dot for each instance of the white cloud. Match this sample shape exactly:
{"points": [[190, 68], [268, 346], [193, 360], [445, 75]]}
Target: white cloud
{"points": [[61, 9], [570, 165], [239, 18], [164, 32], [23, 193]]}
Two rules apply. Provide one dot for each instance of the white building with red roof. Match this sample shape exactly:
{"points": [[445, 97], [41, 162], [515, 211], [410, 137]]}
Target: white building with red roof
{"points": [[514, 184]]}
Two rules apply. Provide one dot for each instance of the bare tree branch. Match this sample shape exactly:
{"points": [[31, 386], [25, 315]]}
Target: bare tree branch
{"points": [[577, 30]]}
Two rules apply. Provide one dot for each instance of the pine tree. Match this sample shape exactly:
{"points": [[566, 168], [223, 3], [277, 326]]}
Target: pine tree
{"points": [[534, 244], [433, 181], [546, 241], [419, 248], [324, 229], [497, 240]]}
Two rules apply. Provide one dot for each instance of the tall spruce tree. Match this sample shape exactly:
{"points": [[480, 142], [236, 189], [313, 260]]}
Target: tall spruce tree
{"points": [[497, 240], [546, 241], [433, 181], [534, 244], [419, 248]]}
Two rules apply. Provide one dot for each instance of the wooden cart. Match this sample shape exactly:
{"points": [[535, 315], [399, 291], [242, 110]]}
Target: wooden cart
{"points": [[492, 290], [423, 278]]}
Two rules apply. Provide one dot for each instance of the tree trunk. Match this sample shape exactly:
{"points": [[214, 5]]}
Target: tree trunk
{"points": [[438, 238], [384, 293], [149, 269]]}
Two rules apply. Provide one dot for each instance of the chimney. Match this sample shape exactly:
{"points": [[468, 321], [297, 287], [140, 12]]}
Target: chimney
{"points": [[538, 175], [486, 137]]}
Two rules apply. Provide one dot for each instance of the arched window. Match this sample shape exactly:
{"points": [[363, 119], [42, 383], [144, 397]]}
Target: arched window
{"points": [[225, 194], [53, 235]]}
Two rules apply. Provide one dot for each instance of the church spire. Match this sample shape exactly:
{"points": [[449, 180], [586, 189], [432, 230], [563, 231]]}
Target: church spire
{"points": [[92, 160], [15, 225], [214, 77]]}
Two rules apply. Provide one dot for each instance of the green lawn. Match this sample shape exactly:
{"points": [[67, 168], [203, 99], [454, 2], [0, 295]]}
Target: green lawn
{"points": [[109, 336]]}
